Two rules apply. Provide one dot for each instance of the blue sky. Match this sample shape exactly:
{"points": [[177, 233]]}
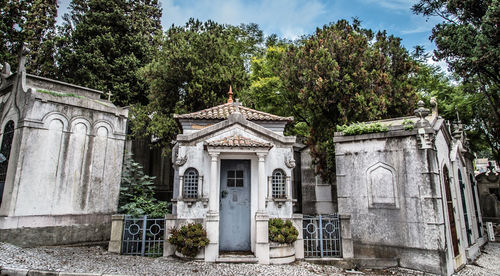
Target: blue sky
{"points": [[293, 18]]}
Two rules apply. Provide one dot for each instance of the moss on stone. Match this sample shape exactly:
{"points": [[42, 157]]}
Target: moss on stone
{"points": [[57, 94]]}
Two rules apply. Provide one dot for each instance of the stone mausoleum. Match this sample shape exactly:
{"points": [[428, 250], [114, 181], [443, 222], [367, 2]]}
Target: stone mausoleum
{"points": [[60, 162], [233, 168], [411, 194]]}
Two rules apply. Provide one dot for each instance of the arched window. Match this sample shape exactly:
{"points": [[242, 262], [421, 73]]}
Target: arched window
{"points": [[8, 135], [278, 183], [191, 183]]}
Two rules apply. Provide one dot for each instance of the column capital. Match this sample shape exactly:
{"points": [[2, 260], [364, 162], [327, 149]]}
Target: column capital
{"points": [[261, 155], [214, 155]]}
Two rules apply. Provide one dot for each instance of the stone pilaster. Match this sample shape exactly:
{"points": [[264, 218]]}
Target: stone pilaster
{"points": [[299, 243], [212, 226], [345, 231], [170, 222], [262, 237], [212, 217], [115, 241]]}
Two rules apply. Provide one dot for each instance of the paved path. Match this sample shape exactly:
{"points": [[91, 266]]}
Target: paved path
{"points": [[97, 261]]}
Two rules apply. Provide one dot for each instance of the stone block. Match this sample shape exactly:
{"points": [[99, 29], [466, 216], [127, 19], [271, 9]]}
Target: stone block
{"points": [[36, 272], [7, 271], [79, 274]]}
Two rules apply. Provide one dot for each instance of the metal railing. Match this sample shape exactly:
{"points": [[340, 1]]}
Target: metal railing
{"points": [[322, 236], [143, 236]]}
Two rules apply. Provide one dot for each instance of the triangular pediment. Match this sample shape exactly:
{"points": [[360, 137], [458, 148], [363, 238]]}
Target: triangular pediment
{"points": [[236, 124]]}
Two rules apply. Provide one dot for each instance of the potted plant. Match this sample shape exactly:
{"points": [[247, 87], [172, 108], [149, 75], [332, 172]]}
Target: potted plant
{"points": [[282, 235], [189, 239]]}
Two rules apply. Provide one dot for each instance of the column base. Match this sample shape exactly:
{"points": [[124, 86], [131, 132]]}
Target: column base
{"points": [[262, 237], [212, 227]]}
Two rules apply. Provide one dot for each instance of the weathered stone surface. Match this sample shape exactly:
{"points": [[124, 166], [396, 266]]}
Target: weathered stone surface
{"points": [[65, 161], [391, 184]]}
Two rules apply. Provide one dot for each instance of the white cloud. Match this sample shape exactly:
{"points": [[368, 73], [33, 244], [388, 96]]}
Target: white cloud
{"points": [[288, 18], [393, 4], [441, 64]]}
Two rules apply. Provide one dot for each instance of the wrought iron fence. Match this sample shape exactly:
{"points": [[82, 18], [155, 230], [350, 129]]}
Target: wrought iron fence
{"points": [[143, 236], [322, 236]]}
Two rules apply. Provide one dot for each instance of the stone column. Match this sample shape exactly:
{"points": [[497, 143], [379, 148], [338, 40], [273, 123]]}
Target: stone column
{"points": [[261, 207], [115, 241], [261, 217], [212, 218]]}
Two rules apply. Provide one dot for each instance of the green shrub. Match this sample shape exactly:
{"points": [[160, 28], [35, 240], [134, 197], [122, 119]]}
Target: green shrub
{"points": [[189, 239], [137, 193], [361, 128], [408, 124], [282, 231]]}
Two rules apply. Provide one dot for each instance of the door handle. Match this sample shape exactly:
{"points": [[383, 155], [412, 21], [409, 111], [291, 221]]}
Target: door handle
{"points": [[223, 194]]}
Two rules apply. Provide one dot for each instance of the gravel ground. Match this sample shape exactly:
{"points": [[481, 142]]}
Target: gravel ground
{"points": [[487, 264], [95, 259]]}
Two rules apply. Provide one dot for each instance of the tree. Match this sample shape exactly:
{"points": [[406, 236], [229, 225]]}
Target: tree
{"points": [[103, 43], [468, 39], [343, 74], [33, 23], [193, 71]]}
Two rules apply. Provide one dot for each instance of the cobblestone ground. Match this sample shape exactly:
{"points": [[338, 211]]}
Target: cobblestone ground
{"points": [[95, 259]]}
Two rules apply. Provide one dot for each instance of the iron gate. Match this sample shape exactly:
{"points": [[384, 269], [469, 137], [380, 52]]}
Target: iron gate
{"points": [[143, 236], [322, 236]]}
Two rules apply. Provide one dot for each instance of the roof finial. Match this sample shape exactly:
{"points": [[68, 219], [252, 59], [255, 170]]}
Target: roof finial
{"points": [[230, 99]]}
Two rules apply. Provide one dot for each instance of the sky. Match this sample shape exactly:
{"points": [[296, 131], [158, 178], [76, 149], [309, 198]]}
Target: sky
{"points": [[293, 18]]}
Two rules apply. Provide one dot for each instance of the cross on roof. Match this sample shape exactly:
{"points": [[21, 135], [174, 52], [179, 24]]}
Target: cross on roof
{"points": [[109, 95]]}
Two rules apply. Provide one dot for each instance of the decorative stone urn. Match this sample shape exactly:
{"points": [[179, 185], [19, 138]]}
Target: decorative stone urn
{"points": [[281, 253]]}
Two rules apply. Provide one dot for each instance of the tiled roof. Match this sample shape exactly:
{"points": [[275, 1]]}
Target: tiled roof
{"points": [[238, 141], [222, 112]]}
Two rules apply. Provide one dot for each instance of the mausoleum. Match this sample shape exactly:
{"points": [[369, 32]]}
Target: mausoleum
{"points": [[233, 168], [60, 162], [410, 194]]}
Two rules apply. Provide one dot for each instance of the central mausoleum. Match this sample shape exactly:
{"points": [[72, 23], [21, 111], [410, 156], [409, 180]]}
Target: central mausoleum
{"points": [[233, 168]]}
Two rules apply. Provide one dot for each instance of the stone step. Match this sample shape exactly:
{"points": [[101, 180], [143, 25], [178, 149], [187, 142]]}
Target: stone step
{"points": [[235, 258]]}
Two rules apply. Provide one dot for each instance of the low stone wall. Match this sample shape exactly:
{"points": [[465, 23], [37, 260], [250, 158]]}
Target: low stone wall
{"points": [[171, 221], [55, 230]]}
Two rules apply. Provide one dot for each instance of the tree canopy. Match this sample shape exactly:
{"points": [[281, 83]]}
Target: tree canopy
{"points": [[343, 73], [193, 70], [103, 43], [468, 39], [33, 23]]}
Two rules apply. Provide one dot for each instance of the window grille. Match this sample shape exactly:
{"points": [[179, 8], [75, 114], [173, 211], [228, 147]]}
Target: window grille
{"points": [[191, 183], [234, 178], [278, 184]]}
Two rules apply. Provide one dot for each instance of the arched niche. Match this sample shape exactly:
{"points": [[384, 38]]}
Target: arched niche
{"points": [[382, 186]]}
